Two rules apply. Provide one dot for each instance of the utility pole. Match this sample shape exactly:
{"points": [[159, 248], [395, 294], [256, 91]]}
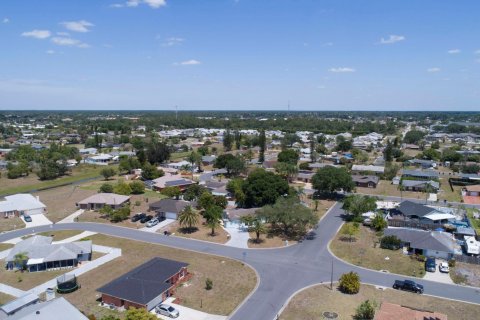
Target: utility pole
{"points": [[331, 278]]}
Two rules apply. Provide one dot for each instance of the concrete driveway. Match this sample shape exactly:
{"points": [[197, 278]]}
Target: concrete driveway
{"points": [[438, 276], [159, 226], [37, 220], [189, 314]]}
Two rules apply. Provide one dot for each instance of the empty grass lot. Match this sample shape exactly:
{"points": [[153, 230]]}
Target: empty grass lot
{"points": [[361, 252], [11, 224], [27, 280], [26, 184], [60, 235], [232, 281], [5, 246], [311, 303]]}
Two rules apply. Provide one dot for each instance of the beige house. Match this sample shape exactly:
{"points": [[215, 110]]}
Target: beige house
{"points": [[99, 200]]}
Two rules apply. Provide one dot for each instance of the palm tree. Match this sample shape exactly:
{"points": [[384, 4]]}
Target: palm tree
{"points": [[213, 214], [195, 159], [188, 218], [259, 228], [19, 259]]}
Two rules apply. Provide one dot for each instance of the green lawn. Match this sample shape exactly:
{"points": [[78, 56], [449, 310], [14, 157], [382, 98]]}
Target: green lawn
{"points": [[83, 172], [179, 155], [475, 222]]}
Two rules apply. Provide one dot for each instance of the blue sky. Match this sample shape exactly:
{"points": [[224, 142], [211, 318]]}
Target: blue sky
{"points": [[240, 54]]}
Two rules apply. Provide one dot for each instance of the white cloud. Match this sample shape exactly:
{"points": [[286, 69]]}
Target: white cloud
{"points": [[477, 52], [78, 26], [454, 51], [327, 44], [37, 34], [69, 42], [172, 41], [5, 20], [63, 34], [191, 62], [321, 87], [135, 3], [156, 3], [434, 69], [50, 51], [342, 70], [392, 39]]}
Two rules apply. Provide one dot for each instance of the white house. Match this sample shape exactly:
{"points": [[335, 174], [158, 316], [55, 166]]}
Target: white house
{"points": [[101, 159], [21, 204]]}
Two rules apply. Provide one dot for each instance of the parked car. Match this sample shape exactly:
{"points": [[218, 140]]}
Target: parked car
{"points": [[137, 217], [146, 219], [430, 265], [408, 285], [27, 218], [443, 267], [152, 222], [167, 310]]}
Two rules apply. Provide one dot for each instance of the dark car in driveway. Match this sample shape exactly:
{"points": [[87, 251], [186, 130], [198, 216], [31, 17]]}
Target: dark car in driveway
{"points": [[146, 219], [430, 265], [408, 285], [138, 216], [27, 218]]}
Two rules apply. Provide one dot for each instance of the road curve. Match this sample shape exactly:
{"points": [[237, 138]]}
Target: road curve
{"points": [[281, 271]]}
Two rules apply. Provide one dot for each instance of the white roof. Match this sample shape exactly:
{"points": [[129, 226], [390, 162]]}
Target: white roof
{"points": [[34, 261], [439, 216], [358, 167], [20, 202], [56, 309]]}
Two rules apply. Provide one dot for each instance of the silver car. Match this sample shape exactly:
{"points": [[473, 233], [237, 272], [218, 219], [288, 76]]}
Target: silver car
{"points": [[167, 310], [152, 222]]}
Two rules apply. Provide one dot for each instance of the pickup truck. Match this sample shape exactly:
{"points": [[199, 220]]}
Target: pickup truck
{"points": [[408, 285]]}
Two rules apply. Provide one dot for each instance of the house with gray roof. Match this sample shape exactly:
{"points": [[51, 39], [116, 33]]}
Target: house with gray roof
{"points": [[365, 181], [426, 214], [21, 204], [99, 200], [356, 168], [145, 286], [421, 174], [420, 185], [425, 164], [56, 309], [170, 208], [41, 254], [428, 243]]}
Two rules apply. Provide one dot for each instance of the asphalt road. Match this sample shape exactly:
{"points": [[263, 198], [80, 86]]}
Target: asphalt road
{"points": [[281, 272]]}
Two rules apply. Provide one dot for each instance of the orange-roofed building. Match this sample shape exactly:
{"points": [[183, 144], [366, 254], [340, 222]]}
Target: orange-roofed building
{"points": [[389, 311]]}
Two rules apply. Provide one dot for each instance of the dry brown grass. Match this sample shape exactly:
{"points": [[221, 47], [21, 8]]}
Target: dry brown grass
{"points": [[5, 246], [311, 303], [201, 233], [9, 224], [466, 273], [386, 188], [27, 280], [232, 281], [93, 216], [268, 241], [61, 201], [4, 298], [362, 252]]}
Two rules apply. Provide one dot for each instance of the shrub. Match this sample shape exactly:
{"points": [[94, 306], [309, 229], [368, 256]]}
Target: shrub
{"points": [[349, 283], [120, 214], [451, 263], [107, 173], [208, 284], [106, 188], [379, 222], [365, 311], [390, 242], [122, 188], [137, 187], [137, 203]]}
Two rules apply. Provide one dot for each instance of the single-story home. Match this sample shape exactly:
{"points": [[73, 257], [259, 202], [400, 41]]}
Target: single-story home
{"points": [[55, 309], [472, 191], [425, 164], [367, 181], [42, 255], [390, 311], [370, 168], [217, 188], [234, 215], [21, 204], [421, 174], [420, 185], [10, 308], [88, 151], [428, 243], [427, 214], [170, 208], [208, 160], [305, 176], [171, 180], [145, 286], [101, 159], [99, 200]]}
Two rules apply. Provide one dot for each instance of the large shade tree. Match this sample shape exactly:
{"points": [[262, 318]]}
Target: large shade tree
{"points": [[329, 179], [262, 188]]}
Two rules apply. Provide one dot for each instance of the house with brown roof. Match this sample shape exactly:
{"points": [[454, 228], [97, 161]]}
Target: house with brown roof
{"points": [[389, 311], [472, 191], [99, 200], [365, 181]]}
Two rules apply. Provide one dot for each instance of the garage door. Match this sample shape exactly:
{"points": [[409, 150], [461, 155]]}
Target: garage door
{"points": [[171, 215]]}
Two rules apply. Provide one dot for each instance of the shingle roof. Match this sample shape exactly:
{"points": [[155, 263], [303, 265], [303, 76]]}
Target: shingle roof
{"points": [[106, 198], [410, 208], [358, 167], [419, 183], [420, 239], [170, 205], [365, 179], [57, 309], [420, 173], [144, 283], [390, 311]]}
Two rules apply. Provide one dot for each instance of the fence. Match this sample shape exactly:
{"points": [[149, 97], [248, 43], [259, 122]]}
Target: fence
{"points": [[413, 225], [467, 259]]}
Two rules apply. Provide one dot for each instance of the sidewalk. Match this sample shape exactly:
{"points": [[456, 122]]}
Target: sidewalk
{"points": [[11, 290], [71, 218], [78, 237]]}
